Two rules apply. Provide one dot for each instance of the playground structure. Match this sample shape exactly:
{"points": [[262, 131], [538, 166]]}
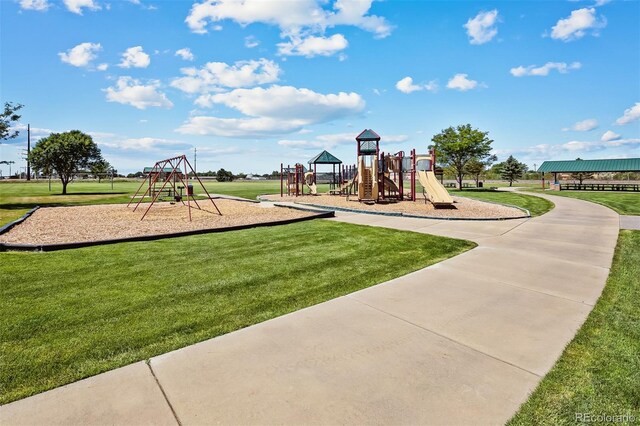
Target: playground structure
{"points": [[293, 180], [376, 178], [381, 178], [168, 172]]}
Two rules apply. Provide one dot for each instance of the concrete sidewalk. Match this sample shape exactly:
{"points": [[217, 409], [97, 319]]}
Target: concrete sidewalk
{"points": [[462, 342]]}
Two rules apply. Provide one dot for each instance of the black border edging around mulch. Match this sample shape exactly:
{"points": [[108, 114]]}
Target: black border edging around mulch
{"points": [[8, 226], [400, 214], [66, 246]]}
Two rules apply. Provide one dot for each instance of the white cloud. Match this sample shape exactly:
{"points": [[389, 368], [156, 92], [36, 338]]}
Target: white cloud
{"points": [[129, 91], [630, 115], [76, 6], [578, 24], [185, 54], [251, 42], [481, 28], [313, 46], [302, 22], [144, 144], [237, 127], [271, 111], [609, 136], [544, 70], [39, 5], [572, 148], [81, 55], [583, 126], [406, 85], [134, 57], [462, 83], [102, 67], [287, 102], [215, 75], [290, 16], [330, 141]]}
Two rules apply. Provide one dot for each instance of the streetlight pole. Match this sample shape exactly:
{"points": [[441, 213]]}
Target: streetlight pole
{"points": [[28, 151]]}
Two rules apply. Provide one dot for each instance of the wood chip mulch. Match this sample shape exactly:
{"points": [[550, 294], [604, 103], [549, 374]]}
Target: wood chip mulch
{"points": [[465, 208], [55, 225]]}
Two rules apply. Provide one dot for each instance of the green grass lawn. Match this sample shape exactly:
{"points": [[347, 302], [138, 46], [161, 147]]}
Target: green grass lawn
{"points": [[627, 203], [71, 314], [535, 205], [599, 371]]}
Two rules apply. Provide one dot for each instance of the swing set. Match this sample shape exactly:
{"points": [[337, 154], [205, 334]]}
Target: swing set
{"points": [[168, 173]]}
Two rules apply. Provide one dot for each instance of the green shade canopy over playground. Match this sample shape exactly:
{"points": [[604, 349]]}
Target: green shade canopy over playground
{"points": [[591, 166], [325, 157]]}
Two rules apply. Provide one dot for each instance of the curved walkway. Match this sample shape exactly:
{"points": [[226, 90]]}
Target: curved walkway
{"points": [[461, 342]]}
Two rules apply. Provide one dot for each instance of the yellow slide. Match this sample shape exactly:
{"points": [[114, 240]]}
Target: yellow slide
{"points": [[437, 193], [308, 179]]}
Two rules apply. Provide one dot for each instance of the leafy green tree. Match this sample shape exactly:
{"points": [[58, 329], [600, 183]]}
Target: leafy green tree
{"points": [[8, 116], [100, 168], [223, 175], [580, 176], [65, 153], [457, 146], [476, 168], [512, 170]]}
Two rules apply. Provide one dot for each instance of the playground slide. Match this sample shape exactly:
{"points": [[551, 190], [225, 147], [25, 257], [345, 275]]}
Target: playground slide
{"points": [[437, 193], [308, 179], [390, 185]]}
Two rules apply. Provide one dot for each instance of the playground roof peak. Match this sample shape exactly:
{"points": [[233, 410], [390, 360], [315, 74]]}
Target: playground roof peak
{"points": [[596, 166], [368, 135], [325, 157]]}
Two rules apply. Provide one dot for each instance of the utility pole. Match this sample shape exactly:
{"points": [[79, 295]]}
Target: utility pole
{"points": [[28, 151], [195, 158]]}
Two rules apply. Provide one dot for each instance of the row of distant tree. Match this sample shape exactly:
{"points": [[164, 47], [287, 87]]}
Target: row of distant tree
{"points": [[461, 151], [221, 175]]}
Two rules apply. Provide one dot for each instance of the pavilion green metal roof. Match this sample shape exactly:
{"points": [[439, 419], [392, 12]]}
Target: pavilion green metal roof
{"points": [[577, 166], [325, 157], [164, 170], [368, 135]]}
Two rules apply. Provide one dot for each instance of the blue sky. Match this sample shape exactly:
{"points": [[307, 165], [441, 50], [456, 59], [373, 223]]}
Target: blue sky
{"points": [[254, 83]]}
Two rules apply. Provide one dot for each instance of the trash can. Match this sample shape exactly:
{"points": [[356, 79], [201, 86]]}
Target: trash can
{"points": [[189, 189], [480, 184]]}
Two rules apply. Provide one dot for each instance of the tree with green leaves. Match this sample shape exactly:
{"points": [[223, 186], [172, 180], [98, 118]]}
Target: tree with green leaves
{"points": [[512, 170], [100, 168], [580, 176], [65, 153], [7, 117], [476, 168], [457, 146], [223, 175]]}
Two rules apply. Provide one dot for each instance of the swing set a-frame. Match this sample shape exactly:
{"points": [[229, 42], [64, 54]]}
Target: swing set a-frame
{"points": [[169, 169]]}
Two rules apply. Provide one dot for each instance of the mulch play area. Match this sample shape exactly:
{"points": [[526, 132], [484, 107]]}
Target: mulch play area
{"points": [[58, 225]]}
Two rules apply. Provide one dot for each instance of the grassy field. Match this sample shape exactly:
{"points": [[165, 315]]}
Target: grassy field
{"points": [[599, 371], [72, 314], [535, 205], [627, 203]]}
